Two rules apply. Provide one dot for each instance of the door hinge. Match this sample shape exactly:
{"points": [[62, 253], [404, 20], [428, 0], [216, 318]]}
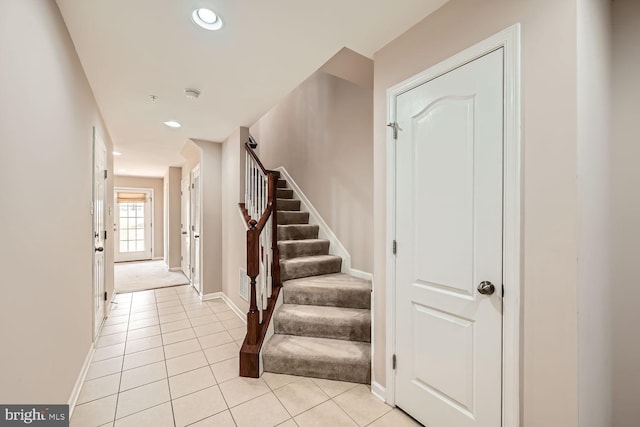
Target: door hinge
{"points": [[193, 186], [393, 362], [395, 127], [105, 295], [105, 234], [503, 291], [395, 247], [193, 270], [105, 174]]}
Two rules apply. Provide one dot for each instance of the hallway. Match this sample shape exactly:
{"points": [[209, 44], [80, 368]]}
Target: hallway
{"points": [[166, 359], [142, 275]]}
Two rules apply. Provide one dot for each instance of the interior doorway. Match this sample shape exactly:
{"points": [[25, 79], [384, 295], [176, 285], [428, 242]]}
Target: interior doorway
{"points": [[133, 225], [196, 206], [453, 221], [185, 227], [99, 229]]}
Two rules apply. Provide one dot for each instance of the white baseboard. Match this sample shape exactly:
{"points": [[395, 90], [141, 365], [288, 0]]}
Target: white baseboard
{"points": [[75, 393], [335, 247], [225, 298], [175, 269], [378, 390], [235, 308], [207, 297], [361, 274], [158, 258]]}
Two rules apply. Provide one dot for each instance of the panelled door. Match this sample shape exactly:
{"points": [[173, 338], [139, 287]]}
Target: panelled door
{"points": [[99, 229], [185, 220], [448, 309], [196, 206]]}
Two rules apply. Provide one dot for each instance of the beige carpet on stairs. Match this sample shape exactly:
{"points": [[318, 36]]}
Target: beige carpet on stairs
{"points": [[142, 275]]}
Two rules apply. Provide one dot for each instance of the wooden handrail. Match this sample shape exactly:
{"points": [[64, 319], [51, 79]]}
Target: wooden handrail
{"points": [[256, 329], [255, 157]]}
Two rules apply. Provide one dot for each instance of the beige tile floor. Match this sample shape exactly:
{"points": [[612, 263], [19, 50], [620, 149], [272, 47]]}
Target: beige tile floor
{"points": [[166, 359]]}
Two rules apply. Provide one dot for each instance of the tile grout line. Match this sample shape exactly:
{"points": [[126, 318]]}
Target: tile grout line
{"points": [[115, 410], [173, 414]]}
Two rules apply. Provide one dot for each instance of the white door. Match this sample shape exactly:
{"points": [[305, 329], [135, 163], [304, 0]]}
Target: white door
{"points": [[449, 241], [99, 229], [195, 229], [133, 224], [185, 219]]}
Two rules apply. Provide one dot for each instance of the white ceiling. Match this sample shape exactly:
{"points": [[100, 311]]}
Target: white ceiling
{"points": [[132, 49]]}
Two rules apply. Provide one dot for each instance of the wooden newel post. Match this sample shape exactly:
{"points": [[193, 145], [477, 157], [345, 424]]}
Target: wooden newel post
{"points": [[253, 269]]}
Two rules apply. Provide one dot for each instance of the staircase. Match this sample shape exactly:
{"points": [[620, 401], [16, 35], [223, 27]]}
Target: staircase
{"points": [[323, 328]]}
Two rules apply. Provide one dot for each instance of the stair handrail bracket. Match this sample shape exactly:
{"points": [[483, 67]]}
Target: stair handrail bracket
{"points": [[263, 259]]}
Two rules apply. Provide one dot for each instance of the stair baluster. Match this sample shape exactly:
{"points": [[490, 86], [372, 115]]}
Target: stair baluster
{"points": [[263, 264]]}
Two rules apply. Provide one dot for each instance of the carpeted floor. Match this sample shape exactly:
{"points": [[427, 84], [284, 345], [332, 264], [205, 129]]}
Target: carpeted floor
{"points": [[138, 276]]}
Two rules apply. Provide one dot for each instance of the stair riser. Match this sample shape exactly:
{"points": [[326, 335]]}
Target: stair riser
{"points": [[327, 297], [303, 248], [282, 183], [290, 217], [355, 330], [290, 271], [284, 194], [288, 205], [298, 232], [351, 372]]}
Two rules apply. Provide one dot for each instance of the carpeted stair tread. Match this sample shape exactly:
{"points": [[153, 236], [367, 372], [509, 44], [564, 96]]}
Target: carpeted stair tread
{"points": [[298, 231], [318, 357], [295, 268], [351, 324], [299, 248], [337, 290], [292, 217], [282, 193], [281, 183], [288, 204]]}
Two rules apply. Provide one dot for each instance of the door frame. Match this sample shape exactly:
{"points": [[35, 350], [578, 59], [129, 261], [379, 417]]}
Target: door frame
{"points": [[193, 213], [509, 40], [116, 218], [185, 224]]}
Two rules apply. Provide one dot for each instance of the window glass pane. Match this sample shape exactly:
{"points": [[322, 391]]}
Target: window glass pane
{"points": [[140, 234], [140, 245], [123, 246]]}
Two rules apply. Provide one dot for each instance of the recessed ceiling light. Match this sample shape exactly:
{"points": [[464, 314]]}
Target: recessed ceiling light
{"points": [[172, 124], [207, 19], [117, 153]]}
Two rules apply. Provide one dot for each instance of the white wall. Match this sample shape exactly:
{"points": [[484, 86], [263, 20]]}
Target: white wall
{"points": [[550, 196], [594, 285], [234, 235], [322, 134], [47, 112], [625, 213], [172, 217], [157, 185]]}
